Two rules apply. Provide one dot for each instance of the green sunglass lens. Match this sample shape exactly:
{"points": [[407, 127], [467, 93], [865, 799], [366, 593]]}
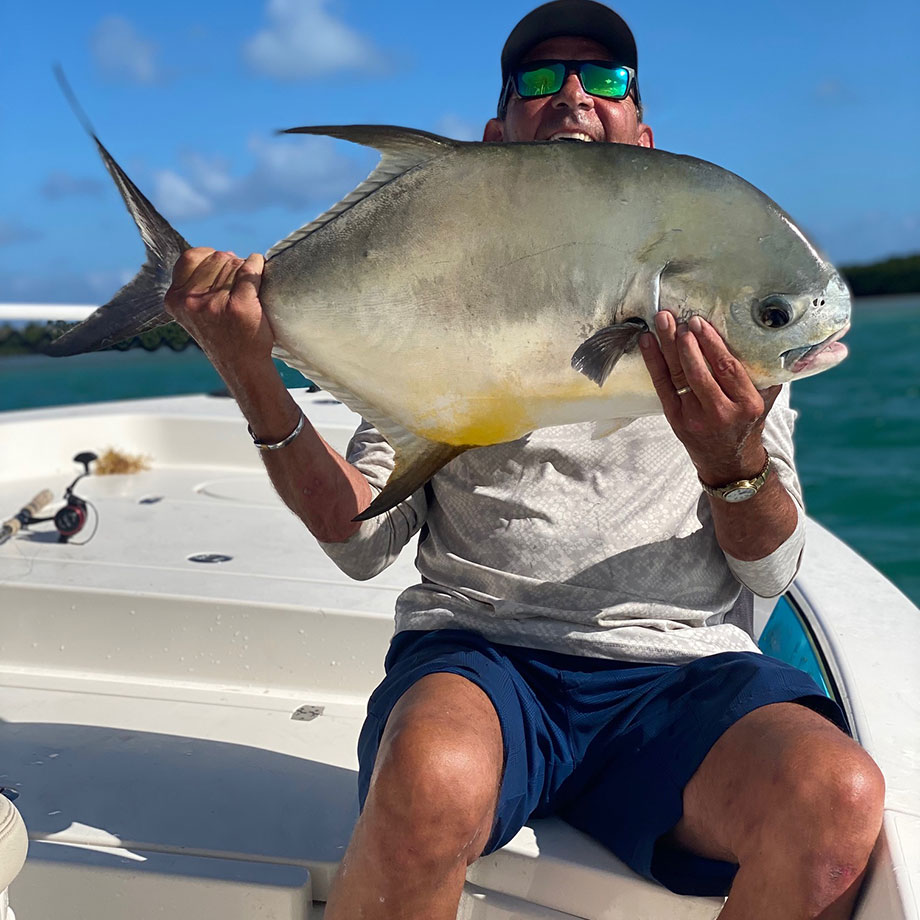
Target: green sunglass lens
{"points": [[541, 81], [610, 82]]}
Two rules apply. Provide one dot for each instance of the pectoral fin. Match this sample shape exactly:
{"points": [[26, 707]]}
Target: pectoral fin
{"points": [[596, 357], [416, 461]]}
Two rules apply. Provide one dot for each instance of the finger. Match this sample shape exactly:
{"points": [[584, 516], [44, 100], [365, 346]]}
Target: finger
{"points": [[224, 279], [666, 326], [187, 263], [730, 373], [210, 273], [202, 276], [699, 378], [659, 372], [248, 278]]}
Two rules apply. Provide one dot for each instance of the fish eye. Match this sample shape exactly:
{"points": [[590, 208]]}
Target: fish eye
{"points": [[773, 312]]}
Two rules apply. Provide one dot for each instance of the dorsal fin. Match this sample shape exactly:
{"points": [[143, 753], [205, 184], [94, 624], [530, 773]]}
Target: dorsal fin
{"points": [[401, 149]]}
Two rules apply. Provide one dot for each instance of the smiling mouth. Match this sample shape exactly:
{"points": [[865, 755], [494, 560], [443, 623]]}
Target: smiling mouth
{"points": [[571, 136], [826, 353]]}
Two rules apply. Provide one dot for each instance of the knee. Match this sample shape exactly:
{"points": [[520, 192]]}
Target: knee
{"points": [[432, 798], [841, 798], [833, 815]]}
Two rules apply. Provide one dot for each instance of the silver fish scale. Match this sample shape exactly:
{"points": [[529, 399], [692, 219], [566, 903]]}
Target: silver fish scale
{"points": [[494, 263], [466, 294]]}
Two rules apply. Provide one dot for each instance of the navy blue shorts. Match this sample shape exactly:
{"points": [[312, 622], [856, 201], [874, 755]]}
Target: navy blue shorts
{"points": [[606, 745]]}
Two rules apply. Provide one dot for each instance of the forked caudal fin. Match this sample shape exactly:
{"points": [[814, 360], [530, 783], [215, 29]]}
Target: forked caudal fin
{"points": [[138, 306]]}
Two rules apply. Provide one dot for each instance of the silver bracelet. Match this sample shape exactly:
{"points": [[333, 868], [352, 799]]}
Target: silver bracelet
{"points": [[261, 445]]}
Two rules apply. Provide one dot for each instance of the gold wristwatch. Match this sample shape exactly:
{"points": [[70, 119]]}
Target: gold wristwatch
{"points": [[742, 489]]}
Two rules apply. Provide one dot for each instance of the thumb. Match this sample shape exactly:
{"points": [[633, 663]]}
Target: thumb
{"points": [[769, 397]]}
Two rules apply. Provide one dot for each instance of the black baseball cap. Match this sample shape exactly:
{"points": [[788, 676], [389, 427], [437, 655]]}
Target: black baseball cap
{"points": [[571, 17]]}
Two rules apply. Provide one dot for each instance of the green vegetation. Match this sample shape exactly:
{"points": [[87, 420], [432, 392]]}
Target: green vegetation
{"points": [[33, 337], [899, 275]]}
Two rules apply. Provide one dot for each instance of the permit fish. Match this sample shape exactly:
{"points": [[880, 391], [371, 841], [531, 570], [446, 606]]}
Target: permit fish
{"points": [[468, 293]]}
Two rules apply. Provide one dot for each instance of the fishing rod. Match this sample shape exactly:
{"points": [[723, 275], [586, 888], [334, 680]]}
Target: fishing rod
{"points": [[25, 516]]}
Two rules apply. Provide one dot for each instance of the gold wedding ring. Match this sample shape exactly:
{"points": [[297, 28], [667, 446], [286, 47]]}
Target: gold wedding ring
{"points": [[683, 390]]}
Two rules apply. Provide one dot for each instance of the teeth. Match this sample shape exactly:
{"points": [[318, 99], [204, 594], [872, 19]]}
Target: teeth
{"points": [[571, 135]]}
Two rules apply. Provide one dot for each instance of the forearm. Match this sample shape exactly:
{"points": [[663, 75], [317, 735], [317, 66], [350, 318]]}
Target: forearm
{"points": [[313, 480], [755, 528], [763, 537], [215, 296]]}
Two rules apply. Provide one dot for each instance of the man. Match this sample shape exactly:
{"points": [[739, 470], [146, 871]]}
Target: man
{"points": [[574, 646]]}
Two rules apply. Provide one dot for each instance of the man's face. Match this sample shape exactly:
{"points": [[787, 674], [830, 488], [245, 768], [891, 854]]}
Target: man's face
{"points": [[571, 111]]}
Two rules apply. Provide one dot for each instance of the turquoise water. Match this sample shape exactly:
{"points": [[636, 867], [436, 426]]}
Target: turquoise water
{"points": [[858, 434], [33, 381], [858, 440]]}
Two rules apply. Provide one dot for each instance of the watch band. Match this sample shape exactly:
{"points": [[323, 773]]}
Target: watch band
{"points": [[262, 445], [742, 489]]}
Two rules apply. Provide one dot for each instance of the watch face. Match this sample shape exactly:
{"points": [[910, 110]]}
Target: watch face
{"points": [[740, 495]]}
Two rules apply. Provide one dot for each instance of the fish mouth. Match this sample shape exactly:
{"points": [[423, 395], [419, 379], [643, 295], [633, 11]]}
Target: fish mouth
{"points": [[813, 358]]}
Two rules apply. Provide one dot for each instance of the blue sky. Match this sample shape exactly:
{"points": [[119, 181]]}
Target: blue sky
{"points": [[813, 101]]}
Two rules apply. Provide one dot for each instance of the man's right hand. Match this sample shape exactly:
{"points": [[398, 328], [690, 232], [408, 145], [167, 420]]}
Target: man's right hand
{"points": [[215, 297]]}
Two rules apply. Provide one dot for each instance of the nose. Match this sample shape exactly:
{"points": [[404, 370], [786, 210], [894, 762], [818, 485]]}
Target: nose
{"points": [[571, 95]]}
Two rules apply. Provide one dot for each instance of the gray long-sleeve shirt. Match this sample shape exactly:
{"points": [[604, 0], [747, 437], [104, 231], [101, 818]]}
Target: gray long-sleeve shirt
{"points": [[602, 547]]}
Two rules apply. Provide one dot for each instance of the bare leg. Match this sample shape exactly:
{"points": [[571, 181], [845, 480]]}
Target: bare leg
{"points": [[796, 803], [430, 807]]}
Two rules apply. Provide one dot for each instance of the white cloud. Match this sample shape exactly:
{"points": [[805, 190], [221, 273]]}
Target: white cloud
{"points": [[93, 287], [121, 53], [15, 231], [63, 185], [458, 128], [304, 39], [177, 199], [293, 173]]}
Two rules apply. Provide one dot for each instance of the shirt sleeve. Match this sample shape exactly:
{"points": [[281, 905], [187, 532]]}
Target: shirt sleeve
{"points": [[770, 576], [378, 541]]}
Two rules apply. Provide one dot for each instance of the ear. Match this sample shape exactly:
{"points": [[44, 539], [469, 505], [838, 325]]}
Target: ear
{"points": [[494, 131], [645, 136]]}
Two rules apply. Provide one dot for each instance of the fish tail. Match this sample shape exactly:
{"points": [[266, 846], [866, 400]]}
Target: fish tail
{"points": [[138, 307]]}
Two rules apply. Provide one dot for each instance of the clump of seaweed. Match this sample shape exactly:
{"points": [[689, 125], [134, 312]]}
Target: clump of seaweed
{"points": [[114, 462]]}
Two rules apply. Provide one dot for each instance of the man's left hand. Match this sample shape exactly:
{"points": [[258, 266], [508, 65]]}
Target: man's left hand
{"points": [[720, 417]]}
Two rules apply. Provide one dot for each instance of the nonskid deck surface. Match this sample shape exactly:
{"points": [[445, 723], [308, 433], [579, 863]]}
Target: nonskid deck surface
{"points": [[182, 735]]}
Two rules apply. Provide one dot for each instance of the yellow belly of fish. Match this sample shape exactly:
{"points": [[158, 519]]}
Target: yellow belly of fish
{"points": [[508, 414], [506, 423]]}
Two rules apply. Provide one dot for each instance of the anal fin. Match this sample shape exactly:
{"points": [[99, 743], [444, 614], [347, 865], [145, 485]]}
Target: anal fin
{"points": [[416, 461]]}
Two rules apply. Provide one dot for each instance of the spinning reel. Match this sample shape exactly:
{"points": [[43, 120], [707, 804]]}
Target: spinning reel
{"points": [[68, 521], [71, 519]]}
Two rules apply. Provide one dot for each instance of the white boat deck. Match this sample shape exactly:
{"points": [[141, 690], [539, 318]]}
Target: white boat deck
{"points": [[182, 734]]}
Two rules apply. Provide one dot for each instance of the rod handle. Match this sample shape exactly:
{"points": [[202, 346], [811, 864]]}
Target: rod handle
{"points": [[27, 512]]}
